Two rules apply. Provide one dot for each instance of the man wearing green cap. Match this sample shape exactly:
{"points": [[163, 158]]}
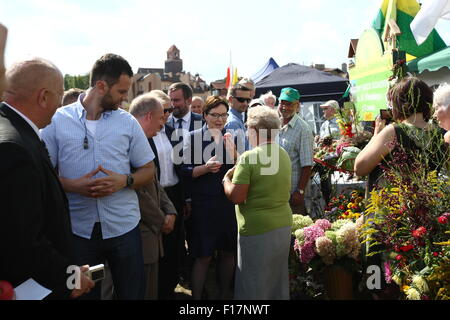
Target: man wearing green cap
{"points": [[297, 139]]}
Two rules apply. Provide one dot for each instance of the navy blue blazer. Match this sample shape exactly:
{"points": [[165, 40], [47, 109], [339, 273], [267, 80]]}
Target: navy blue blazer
{"points": [[194, 155]]}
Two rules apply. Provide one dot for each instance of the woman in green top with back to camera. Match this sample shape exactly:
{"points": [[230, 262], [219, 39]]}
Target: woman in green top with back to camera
{"points": [[259, 185]]}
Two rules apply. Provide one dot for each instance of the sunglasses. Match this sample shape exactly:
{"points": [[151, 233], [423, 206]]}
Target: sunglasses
{"points": [[243, 99], [170, 110]]}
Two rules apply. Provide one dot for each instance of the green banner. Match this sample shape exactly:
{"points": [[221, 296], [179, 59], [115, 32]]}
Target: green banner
{"points": [[370, 88], [370, 76]]}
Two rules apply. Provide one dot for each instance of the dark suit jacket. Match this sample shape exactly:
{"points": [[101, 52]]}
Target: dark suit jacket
{"points": [[35, 229]]}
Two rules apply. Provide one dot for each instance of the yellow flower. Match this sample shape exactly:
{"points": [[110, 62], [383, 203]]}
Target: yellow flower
{"points": [[404, 287]]}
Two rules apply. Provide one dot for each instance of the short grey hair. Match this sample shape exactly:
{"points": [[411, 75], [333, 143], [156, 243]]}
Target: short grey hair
{"points": [[160, 95], [267, 95], [441, 96], [263, 117], [198, 98], [144, 104]]}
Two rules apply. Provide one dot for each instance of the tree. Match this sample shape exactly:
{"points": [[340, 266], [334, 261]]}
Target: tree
{"points": [[78, 81]]}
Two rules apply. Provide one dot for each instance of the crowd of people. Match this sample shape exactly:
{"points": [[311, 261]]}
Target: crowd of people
{"points": [[160, 191]]}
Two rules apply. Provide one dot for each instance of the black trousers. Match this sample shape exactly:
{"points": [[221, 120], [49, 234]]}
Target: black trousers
{"points": [[174, 249]]}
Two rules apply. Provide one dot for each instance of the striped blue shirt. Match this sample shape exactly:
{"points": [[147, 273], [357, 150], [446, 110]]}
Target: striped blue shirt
{"points": [[119, 144], [297, 140]]}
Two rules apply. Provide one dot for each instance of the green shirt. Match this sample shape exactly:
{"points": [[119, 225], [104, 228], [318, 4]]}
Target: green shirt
{"points": [[267, 169]]}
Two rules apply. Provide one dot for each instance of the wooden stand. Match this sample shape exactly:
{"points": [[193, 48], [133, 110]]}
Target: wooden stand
{"points": [[338, 283]]}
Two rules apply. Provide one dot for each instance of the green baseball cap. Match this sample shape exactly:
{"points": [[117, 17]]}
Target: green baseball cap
{"points": [[289, 94]]}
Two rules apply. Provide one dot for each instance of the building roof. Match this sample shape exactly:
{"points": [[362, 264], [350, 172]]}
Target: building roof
{"points": [[352, 48], [220, 84], [146, 71], [173, 49]]}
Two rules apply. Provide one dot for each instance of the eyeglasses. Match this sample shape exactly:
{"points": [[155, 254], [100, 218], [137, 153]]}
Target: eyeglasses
{"points": [[170, 110], [243, 99], [219, 115]]}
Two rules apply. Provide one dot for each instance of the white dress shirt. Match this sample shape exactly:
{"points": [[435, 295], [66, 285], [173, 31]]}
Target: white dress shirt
{"points": [[168, 177], [185, 124]]}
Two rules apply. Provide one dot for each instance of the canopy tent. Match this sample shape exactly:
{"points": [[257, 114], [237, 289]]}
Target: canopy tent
{"points": [[434, 69], [432, 62], [264, 71], [313, 84]]}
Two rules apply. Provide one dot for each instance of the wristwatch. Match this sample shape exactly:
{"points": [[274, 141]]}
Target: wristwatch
{"points": [[130, 180], [301, 191]]}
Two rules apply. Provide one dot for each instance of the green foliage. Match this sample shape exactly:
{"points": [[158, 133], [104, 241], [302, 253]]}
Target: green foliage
{"points": [[79, 81]]}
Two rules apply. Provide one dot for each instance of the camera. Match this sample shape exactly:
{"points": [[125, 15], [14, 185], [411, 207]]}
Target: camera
{"points": [[386, 114], [96, 273]]}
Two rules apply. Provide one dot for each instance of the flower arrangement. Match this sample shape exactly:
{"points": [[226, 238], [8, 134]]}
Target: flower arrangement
{"points": [[347, 120], [323, 243], [339, 155], [318, 247], [409, 217], [346, 206]]}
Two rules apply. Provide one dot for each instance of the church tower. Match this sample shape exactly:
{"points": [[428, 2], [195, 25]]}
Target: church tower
{"points": [[173, 63]]}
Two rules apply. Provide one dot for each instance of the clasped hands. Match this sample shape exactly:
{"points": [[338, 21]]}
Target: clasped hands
{"points": [[100, 187]]}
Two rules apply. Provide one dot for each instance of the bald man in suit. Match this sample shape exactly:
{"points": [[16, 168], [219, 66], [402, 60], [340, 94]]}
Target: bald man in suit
{"points": [[35, 229]]}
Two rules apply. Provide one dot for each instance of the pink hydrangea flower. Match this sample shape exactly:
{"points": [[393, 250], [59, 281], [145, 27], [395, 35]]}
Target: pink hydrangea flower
{"points": [[311, 233], [387, 272], [324, 224], [307, 252]]}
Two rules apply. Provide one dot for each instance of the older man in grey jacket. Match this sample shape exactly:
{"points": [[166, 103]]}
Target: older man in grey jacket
{"points": [[157, 211]]}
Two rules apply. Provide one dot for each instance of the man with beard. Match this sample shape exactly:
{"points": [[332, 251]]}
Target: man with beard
{"points": [[102, 156], [182, 118], [296, 138], [176, 263]]}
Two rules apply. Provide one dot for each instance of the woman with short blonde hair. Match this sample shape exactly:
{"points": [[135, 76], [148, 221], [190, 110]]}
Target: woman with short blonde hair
{"points": [[260, 186]]}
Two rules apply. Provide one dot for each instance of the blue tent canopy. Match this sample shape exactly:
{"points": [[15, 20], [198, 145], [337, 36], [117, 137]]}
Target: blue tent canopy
{"points": [[267, 69]]}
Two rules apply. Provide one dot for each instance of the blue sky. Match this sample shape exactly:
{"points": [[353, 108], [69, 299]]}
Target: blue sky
{"points": [[73, 34]]}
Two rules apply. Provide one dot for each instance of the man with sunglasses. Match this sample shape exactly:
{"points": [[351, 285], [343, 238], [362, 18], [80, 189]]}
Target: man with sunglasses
{"points": [[239, 99]]}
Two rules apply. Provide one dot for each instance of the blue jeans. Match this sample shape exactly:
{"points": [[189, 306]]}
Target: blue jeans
{"points": [[124, 256]]}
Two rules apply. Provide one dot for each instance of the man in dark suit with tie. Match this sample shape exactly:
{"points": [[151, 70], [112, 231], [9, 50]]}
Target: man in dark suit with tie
{"points": [[182, 118], [35, 228], [169, 141]]}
